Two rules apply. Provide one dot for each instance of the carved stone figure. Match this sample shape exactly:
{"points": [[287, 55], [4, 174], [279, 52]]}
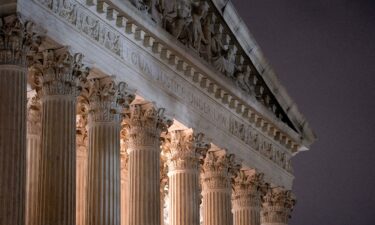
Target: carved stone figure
{"points": [[242, 81], [199, 12], [68, 11], [207, 24], [180, 18], [142, 5], [90, 26]]}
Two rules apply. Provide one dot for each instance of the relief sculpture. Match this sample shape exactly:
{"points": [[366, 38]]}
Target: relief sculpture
{"points": [[195, 24]]}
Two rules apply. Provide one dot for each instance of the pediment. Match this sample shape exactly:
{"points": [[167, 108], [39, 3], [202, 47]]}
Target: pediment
{"points": [[214, 32]]}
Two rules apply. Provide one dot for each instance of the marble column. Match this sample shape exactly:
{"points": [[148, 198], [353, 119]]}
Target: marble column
{"points": [[145, 124], [277, 207], [82, 161], [218, 168], [184, 153], [56, 73], [14, 40], [124, 178], [248, 191], [33, 157], [106, 101], [164, 189]]}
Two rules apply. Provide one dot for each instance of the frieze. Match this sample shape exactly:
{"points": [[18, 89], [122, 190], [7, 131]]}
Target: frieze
{"points": [[92, 26], [75, 14]]}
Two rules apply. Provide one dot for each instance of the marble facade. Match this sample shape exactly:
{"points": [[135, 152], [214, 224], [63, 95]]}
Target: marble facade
{"points": [[134, 112]]}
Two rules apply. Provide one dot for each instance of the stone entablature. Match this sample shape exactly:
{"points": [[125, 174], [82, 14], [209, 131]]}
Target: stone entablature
{"points": [[272, 150]]}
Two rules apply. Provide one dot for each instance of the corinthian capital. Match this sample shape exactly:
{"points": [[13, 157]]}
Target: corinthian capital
{"points": [[220, 162], [56, 72], [219, 168], [184, 149], [144, 123], [249, 188], [106, 99], [16, 39], [278, 206]]}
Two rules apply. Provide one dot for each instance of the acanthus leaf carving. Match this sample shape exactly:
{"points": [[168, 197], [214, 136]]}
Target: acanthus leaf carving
{"points": [[17, 39], [218, 170], [249, 189], [144, 124], [278, 206], [185, 149], [106, 99], [56, 72]]}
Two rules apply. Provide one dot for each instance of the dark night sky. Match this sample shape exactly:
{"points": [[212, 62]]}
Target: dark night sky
{"points": [[324, 54]]}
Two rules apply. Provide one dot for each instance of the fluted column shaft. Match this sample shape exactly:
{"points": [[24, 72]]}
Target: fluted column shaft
{"points": [[82, 162], [54, 75], [184, 197], [13, 48], [33, 159], [277, 207], [217, 189], [183, 154], [248, 190], [217, 205], [82, 167], [124, 200], [144, 186], [244, 212], [104, 174], [58, 160], [124, 189], [12, 144], [144, 128], [105, 100]]}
